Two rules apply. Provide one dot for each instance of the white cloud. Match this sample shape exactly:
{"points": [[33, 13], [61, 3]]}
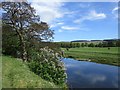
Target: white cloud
{"points": [[48, 11], [60, 30], [69, 28], [60, 23], [115, 12], [56, 24], [73, 29], [92, 15], [115, 9]]}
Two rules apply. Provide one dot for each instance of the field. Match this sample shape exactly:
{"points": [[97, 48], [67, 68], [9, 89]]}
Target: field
{"points": [[16, 74], [99, 55]]}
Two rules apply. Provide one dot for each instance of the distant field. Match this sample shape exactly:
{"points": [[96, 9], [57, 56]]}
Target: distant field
{"points": [[99, 55]]}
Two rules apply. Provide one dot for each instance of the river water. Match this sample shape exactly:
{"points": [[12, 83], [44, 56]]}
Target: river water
{"points": [[84, 74]]}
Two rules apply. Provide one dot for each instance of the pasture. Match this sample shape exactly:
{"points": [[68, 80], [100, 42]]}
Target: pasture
{"points": [[94, 54]]}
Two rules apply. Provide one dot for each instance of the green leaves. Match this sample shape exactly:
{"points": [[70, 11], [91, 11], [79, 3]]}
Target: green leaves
{"points": [[47, 65]]}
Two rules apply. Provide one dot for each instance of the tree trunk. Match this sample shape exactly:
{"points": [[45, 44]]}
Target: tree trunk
{"points": [[24, 53], [23, 46]]}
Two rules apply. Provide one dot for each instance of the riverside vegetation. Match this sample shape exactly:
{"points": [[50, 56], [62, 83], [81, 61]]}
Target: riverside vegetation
{"points": [[16, 74], [23, 37]]}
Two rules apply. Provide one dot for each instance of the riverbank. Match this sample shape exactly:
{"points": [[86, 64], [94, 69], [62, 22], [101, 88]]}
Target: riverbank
{"points": [[99, 55], [16, 74]]}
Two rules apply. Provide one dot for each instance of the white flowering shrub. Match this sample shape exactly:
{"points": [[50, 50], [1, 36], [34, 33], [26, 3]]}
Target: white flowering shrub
{"points": [[47, 64]]}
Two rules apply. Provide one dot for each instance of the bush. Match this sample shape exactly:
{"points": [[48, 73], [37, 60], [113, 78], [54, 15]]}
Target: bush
{"points": [[47, 64]]}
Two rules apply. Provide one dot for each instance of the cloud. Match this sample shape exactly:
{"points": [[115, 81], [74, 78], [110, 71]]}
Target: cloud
{"points": [[51, 11], [60, 23], [93, 78], [69, 28], [60, 30], [115, 12], [97, 78], [115, 9], [56, 24], [48, 11], [92, 15]]}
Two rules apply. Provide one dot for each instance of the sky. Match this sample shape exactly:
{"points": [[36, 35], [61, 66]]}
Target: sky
{"points": [[79, 20]]}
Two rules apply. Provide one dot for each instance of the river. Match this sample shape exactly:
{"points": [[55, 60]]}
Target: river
{"points": [[84, 74]]}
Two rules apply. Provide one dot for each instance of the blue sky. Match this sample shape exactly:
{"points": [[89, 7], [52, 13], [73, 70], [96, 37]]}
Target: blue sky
{"points": [[79, 20], [86, 21]]}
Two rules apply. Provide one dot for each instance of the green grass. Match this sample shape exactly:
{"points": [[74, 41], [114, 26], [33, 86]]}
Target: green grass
{"points": [[99, 55], [16, 74]]}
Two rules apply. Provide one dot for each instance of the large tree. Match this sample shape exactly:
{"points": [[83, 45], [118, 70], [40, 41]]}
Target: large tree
{"points": [[24, 21]]}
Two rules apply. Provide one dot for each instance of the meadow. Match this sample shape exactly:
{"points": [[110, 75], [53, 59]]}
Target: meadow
{"points": [[94, 54], [16, 74]]}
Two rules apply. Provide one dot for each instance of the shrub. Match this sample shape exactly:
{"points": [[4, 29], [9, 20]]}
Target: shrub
{"points": [[47, 64]]}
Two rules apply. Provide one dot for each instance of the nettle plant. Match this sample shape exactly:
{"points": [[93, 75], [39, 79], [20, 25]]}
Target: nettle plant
{"points": [[48, 65]]}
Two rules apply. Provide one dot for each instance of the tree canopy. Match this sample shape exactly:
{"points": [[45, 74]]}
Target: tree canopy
{"points": [[22, 18]]}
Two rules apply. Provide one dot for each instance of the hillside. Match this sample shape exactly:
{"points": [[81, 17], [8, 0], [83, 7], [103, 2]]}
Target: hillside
{"points": [[16, 74]]}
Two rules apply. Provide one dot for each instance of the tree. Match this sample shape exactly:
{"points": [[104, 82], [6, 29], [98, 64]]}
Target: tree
{"points": [[100, 45], [104, 44], [110, 44], [77, 45], [91, 45], [86, 44], [10, 42], [118, 43], [24, 21], [19, 16], [71, 45], [82, 45]]}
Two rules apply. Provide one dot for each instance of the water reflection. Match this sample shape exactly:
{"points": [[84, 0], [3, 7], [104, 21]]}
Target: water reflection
{"points": [[82, 74]]}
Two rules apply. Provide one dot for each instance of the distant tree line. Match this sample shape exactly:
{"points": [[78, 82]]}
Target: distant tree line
{"points": [[90, 44]]}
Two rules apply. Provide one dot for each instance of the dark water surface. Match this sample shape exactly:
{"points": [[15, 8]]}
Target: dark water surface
{"points": [[83, 74]]}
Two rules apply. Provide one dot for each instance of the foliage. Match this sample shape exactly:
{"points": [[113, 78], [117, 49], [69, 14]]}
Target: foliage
{"points": [[67, 44], [91, 45], [118, 43], [16, 74], [26, 34], [46, 63], [10, 41], [24, 21]]}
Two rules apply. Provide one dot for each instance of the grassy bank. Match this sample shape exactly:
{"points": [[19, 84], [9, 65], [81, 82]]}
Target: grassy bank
{"points": [[99, 55], [16, 74]]}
